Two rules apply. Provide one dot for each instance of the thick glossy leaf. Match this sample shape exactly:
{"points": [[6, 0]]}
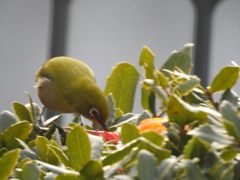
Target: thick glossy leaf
{"points": [[192, 171], [57, 137], [182, 113], [228, 154], [211, 134], [122, 84], [30, 171], [19, 130], [66, 177], [180, 59], [79, 148], [113, 169], [44, 152], [231, 129], [160, 93], [143, 116], [92, 170], [186, 87], [195, 148], [122, 177], [146, 165], [154, 137], [112, 108], [166, 169], [129, 132], [231, 96], [161, 79], [230, 113], [6, 120], [35, 111], [8, 162], [27, 152], [226, 79], [22, 112], [120, 154], [148, 100], [140, 143], [125, 118], [222, 171], [56, 169], [147, 61], [31, 109], [59, 154], [96, 146]]}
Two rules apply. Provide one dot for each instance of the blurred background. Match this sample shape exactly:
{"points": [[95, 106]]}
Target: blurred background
{"points": [[103, 33]]}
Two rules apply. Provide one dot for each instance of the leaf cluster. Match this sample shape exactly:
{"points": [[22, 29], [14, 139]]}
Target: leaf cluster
{"points": [[202, 139]]}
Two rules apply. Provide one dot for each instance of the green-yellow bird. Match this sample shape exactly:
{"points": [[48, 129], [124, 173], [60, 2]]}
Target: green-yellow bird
{"points": [[67, 85]]}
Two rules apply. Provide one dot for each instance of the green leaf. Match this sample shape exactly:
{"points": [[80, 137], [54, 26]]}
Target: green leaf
{"points": [[154, 137], [27, 152], [35, 110], [6, 120], [22, 112], [113, 169], [129, 132], [230, 113], [56, 169], [195, 148], [32, 109], [8, 162], [19, 130], [166, 169], [57, 137], [30, 171], [180, 59], [147, 61], [192, 171], [96, 146], [92, 171], [231, 129], [122, 177], [226, 79], [122, 84], [60, 154], [148, 100], [182, 113], [222, 171], [186, 87], [44, 151], [146, 165], [161, 79], [210, 133], [228, 154], [143, 116], [231, 96], [66, 177], [112, 108], [140, 143], [79, 148]]}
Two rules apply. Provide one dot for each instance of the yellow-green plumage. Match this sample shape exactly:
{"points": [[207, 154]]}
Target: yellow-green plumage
{"points": [[67, 85]]}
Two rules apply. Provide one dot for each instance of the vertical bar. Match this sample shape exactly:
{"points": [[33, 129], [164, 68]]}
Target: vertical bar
{"points": [[60, 9], [203, 22]]}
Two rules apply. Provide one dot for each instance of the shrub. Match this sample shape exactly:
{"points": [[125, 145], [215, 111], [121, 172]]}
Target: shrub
{"points": [[196, 137]]}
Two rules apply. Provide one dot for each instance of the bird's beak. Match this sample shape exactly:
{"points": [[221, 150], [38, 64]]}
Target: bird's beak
{"points": [[103, 125]]}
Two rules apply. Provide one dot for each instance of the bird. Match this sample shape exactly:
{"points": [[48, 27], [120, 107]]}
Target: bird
{"points": [[67, 85]]}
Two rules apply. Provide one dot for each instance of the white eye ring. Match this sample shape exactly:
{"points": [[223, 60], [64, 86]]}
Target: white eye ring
{"points": [[94, 112]]}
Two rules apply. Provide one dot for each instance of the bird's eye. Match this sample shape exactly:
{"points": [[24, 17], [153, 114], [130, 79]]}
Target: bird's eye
{"points": [[94, 112]]}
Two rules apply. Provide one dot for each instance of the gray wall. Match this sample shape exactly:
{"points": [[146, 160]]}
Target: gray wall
{"points": [[103, 33]]}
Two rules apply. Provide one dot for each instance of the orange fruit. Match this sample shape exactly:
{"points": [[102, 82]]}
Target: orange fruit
{"points": [[154, 124]]}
